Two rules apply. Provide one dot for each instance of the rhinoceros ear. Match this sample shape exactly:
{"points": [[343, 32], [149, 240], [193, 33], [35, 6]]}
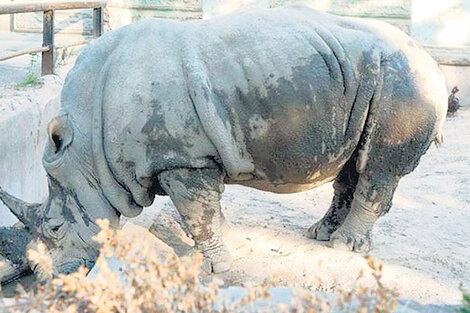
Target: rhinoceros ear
{"points": [[60, 133]]}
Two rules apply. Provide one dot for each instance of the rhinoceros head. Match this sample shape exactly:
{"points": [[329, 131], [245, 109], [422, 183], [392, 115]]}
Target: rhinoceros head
{"points": [[65, 222]]}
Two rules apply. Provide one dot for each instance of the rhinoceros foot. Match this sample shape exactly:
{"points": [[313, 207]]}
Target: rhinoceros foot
{"points": [[321, 230], [347, 240], [216, 260]]}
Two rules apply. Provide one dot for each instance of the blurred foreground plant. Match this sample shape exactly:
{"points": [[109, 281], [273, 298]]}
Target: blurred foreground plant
{"points": [[153, 281]]}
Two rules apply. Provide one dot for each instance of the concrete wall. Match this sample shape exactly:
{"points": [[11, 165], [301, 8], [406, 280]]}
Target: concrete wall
{"points": [[74, 21], [443, 28], [432, 22], [441, 23], [121, 12], [69, 21], [24, 115], [4, 22], [459, 76], [212, 8], [396, 12]]}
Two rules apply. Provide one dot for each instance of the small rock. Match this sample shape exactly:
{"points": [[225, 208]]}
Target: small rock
{"points": [[453, 102]]}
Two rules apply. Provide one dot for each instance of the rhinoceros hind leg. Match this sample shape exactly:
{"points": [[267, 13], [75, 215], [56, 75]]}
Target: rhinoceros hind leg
{"points": [[345, 185], [196, 194], [369, 203]]}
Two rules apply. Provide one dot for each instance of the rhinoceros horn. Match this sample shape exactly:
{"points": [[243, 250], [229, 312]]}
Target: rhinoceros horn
{"points": [[27, 213]]}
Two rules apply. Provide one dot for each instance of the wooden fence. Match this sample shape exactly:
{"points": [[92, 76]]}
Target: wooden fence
{"points": [[48, 8]]}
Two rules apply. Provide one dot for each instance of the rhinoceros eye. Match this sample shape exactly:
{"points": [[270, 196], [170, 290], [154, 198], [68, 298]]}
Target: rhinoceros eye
{"points": [[55, 229]]}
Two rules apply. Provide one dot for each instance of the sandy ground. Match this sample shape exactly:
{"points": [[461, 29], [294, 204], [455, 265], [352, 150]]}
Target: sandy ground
{"points": [[423, 242]]}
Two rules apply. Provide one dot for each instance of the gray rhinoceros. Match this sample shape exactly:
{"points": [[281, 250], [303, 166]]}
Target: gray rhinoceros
{"points": [[281, 100]]}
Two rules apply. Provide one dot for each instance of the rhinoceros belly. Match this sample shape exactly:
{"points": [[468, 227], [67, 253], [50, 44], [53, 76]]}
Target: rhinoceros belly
{"points": [[296, 149]]}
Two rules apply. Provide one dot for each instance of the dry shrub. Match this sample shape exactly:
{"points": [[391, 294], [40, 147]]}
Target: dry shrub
{"points": [[153, 281]]}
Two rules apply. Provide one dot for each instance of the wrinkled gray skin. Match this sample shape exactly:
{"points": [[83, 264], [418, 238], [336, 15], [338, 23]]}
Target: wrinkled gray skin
{"points": [[281, 100]]}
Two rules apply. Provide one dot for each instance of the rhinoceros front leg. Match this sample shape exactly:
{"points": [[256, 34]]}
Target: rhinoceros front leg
{"points": [[344, 186], [196, 194], [371, 200]]}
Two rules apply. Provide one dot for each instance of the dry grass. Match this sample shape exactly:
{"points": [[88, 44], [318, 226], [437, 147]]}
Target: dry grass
{"points": [[153, 281]]}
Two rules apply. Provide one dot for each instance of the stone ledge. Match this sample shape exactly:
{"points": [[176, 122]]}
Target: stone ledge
{"points": [[456, 56], [131, 6], [24, 115]]}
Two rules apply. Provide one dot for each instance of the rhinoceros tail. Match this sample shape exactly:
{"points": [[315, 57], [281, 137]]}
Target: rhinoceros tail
{"points": [[439, 139], [441, 112], [441, 107]]}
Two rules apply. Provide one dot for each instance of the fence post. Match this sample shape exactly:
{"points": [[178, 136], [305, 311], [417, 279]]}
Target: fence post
{"points": [[97, 22], [48, 41]]}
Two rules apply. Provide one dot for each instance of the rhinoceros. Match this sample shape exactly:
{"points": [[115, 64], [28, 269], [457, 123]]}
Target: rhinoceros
{"points": [[281, 100]]}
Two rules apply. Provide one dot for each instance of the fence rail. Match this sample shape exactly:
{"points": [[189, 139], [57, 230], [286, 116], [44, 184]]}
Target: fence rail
{"points": [[48, 9]]}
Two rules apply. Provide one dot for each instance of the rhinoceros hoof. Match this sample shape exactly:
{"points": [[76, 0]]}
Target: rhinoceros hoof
{"points": [[217, 260], [345, 240], [320, 231]]}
